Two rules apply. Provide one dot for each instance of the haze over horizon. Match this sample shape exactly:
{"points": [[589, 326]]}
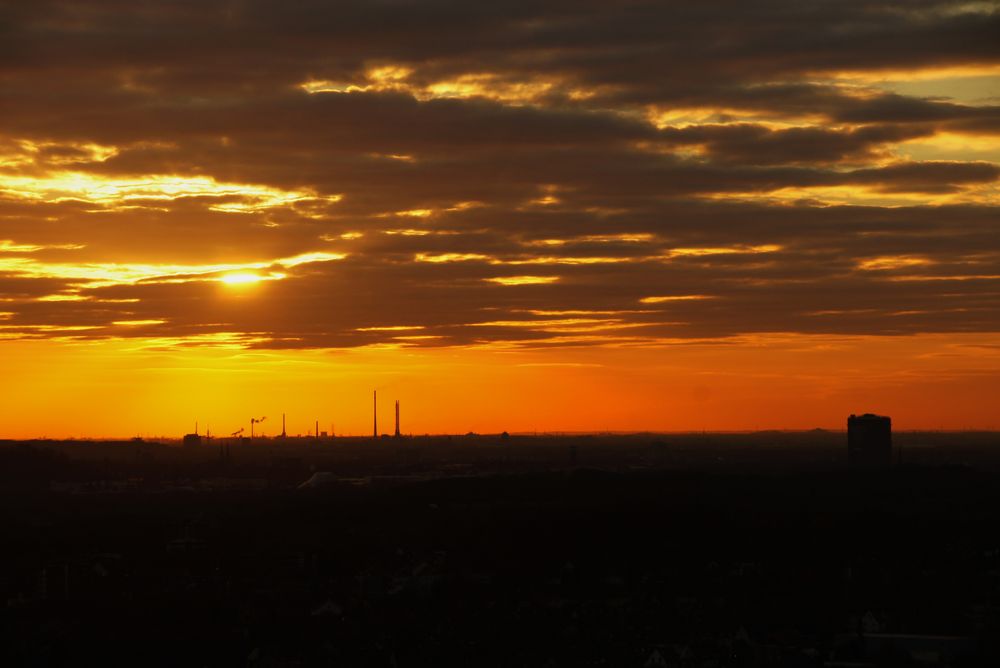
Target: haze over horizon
{"points": [[514, 216]]}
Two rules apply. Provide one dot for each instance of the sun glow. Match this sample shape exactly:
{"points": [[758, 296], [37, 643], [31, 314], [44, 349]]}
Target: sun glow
{"points": [[241, 279], [96, 274], [249, 278]]}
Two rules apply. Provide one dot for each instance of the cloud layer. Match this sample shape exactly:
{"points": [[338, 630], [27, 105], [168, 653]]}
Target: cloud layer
{"points": [[514, 174]]}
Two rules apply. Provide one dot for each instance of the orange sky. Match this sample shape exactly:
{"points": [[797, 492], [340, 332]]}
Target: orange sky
{"points": [[526, 218], [779, 381]]}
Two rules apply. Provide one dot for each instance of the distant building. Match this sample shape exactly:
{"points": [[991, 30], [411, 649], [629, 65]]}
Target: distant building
{"points": [[192, 440], [869, 441]]}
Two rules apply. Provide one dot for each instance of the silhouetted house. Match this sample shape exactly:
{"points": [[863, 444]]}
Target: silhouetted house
{"points": [[869, 441], [318, 479], [869, 623], [186, 544], [880, 649], [655, 660], [918, 650], [328, 607]]}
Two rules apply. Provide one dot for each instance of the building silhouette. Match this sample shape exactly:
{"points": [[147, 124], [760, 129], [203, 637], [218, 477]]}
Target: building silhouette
{"points": [[869, 441], [192, 440]]}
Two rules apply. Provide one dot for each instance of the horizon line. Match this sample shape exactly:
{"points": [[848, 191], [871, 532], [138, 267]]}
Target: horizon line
{"points": [[530, 434]]}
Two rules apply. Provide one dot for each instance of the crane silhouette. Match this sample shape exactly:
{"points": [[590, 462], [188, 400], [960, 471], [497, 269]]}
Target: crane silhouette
{"points": [[254, 421], [238, 432]]}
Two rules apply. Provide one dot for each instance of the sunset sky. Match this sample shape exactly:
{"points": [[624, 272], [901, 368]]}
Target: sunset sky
{"points": [[508, 215]]}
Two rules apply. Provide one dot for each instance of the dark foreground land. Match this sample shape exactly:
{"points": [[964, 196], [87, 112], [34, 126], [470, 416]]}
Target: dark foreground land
{"points": [[696, 550]]}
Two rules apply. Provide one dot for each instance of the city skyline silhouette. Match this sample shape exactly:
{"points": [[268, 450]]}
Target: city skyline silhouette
{"points": [[399, 333]]}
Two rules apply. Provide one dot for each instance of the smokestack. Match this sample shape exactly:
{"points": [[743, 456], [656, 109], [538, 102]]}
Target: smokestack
{"points": [[282, 425], [317, 428], [397, 418], [374, 413]]}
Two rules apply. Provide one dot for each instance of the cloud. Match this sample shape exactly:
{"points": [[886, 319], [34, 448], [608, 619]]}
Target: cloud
{"points": [[446, 174]]}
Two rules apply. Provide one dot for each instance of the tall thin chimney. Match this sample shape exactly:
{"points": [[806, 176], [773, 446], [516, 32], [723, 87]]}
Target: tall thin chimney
{"points": [[374, 413], [397, 418], [283, 425]]}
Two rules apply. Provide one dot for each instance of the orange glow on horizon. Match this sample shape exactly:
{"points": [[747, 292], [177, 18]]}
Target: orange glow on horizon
{"points": [[124, 388]]}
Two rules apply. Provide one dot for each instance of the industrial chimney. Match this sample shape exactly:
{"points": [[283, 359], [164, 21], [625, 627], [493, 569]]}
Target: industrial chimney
{"points": [[397, 418]]}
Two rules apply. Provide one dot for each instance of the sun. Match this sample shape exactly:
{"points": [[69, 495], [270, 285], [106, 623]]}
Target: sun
{"points": [[250, 277], [241, 278]]}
